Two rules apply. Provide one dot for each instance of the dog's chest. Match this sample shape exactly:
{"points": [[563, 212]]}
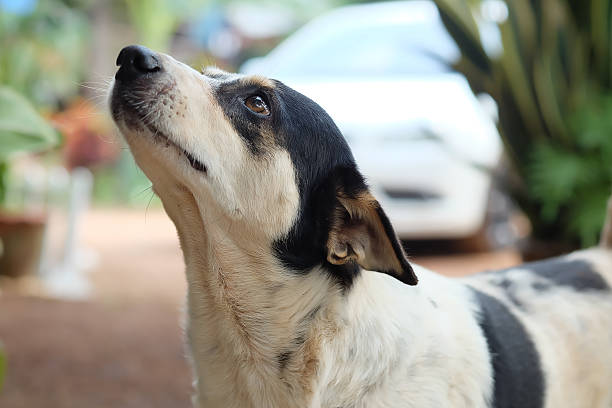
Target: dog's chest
{"points": [[412, 354], [356, 376], [415, 370], [230, 379], [240, 363]]}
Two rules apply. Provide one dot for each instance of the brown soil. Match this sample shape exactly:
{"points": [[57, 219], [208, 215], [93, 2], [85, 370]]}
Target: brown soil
{"points": [[85, 354], [123, 347]]}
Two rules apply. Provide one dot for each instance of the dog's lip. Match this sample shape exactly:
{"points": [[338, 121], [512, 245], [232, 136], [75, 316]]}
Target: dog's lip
{"points": [[122, 105], [193, 162], [126, 108]]}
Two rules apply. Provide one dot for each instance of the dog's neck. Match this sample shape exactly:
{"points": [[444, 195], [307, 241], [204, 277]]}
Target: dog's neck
{"points": [[249, 319], [263, 336]]}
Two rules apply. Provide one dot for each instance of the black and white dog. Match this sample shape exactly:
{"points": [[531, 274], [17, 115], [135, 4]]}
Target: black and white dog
{"points": [[299, 293]]}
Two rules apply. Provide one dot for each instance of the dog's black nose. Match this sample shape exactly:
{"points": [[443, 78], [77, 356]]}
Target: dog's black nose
{"points": [[135, 61]]}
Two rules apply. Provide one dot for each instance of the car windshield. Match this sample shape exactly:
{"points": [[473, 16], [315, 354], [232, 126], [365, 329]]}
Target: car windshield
{"points": [[422, 48]]}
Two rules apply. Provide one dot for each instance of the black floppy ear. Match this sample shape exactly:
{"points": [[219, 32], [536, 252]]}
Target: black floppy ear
{"points": [[361, 233]]}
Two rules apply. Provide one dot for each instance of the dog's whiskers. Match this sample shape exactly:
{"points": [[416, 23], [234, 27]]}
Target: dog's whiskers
{"points": [[149, 203]]}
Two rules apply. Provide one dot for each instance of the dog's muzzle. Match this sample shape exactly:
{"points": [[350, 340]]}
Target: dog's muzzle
{"points": [[140, 83]]}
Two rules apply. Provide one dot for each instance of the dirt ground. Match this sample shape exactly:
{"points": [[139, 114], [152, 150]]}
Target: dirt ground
{"points": [[123, 347]]}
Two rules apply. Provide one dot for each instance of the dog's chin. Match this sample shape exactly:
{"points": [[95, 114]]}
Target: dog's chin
{"points": [[132, 119]]}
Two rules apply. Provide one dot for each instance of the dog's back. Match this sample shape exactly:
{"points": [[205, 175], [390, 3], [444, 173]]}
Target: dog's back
{"points": [[606, 235], [548, 326]]}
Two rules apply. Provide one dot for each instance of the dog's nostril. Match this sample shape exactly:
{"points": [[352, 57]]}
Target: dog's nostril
{"points": [[146, 62], [136, 60]]}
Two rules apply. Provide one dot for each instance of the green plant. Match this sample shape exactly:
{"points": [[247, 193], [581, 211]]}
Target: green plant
{"points": [[155, 21], [41, 64], [22, 129], [43, 52], [553, 86]]}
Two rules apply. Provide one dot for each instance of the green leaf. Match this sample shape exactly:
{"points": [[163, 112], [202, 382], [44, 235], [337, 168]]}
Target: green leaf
{"points": [[516, 71], [546, 85], [600, 32], [460, 23], [22, 129], [587, 215], [556, 175], [156, 20], [553, 87]]}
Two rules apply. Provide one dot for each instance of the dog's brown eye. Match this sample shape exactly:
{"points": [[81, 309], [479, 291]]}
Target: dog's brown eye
{"points": [[257, 105]]}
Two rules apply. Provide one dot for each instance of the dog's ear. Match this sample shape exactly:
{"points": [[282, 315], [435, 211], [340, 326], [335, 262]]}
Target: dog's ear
{"points": [[361, 232]]}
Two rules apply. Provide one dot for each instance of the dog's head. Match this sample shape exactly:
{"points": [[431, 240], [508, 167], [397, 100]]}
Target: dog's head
{"points": [[266, 158]]}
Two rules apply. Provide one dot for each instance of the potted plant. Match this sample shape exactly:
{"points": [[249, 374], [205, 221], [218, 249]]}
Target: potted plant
{"points": [[22, 130], [42, 61], [553, 87]]}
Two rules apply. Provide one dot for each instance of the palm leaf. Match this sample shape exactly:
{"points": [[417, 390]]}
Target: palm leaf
{"points": [[22, 129], [460, 23]]}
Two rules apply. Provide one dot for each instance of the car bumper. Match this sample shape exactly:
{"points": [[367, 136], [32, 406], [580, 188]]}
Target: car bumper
{"points": [[426, 191]]}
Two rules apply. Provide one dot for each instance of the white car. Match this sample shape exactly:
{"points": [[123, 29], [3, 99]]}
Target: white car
{"points": [[425, 142]]}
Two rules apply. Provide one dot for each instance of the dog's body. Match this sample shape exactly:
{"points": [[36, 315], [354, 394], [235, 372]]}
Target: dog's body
{"points": [[280, 237]]}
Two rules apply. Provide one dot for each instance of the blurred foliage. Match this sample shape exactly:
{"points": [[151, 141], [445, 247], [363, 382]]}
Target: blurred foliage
{"points": [[21, 130], [21, 127], [553, 86], [574, 182], [132, 188], [40, 64], [3, 180], [156, 21], [87, 135], [43, 52]]}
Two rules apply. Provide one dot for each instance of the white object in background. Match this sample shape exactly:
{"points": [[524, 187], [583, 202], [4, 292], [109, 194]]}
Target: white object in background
{"points": [[425, 142], [67, 279]]}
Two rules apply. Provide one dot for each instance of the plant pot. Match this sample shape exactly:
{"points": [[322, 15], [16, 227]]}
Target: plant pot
{"points": [[21, 239]]}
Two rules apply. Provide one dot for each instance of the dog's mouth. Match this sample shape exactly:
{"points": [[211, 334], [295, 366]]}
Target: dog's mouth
{"points": [[161, 137], [136, 116], [196, 164]]}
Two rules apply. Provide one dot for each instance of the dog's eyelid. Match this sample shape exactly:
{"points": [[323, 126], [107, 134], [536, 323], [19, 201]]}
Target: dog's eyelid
{"points": [[263, 96]]}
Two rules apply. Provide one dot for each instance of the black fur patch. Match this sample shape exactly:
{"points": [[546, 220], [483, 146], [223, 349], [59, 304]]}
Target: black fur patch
{"points": [[576, 274], [319, 154], [510, 289], [517, 373], [283, 359], [321, 158], [323, 163]]}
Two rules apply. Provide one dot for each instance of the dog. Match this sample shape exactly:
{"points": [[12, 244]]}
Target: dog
{"points": [[299, 292]]}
